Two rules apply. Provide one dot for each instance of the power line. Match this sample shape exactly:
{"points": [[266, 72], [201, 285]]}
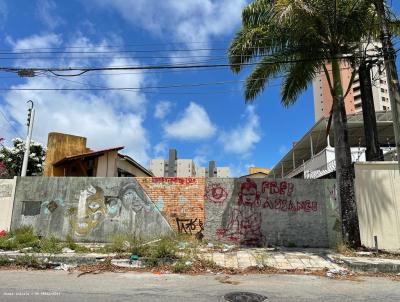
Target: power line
{"points": [[82, 70]]}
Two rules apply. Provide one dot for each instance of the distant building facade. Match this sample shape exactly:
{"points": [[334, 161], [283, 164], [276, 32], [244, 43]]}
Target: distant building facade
{"points": [[323, 98], [67, 155], [176, 167], [173, 167], [253, 170], [220, 172]]}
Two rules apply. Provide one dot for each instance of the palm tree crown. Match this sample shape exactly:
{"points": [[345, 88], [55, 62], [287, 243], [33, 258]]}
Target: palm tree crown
{"points": [[297, 38]]}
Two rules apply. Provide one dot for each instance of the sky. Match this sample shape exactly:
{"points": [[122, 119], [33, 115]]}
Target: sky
{"points": [[204, 122]]}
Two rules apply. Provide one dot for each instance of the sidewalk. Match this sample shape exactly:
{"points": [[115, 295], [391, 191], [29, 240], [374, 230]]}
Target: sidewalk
{"points": [[310, 259], [285, 259]]}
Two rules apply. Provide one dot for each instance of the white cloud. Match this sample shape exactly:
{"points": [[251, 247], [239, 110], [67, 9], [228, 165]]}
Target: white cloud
{"points": [[242, 139], [36, 41], [186, 21], [194, 124], [160, 149], [46, 12], [200, 160], [107, 118], [162, 109]]}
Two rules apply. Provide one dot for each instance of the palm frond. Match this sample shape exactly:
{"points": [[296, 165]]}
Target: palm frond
{"points": [[297, 79], [267, 68]]}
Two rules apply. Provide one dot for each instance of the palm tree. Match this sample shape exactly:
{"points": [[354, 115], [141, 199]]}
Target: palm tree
{"points": [[297, 38]]}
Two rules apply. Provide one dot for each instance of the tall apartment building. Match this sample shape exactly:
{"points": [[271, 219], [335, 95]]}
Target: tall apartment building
{"points": [[213, 171], [174, 167], [323, 98]]}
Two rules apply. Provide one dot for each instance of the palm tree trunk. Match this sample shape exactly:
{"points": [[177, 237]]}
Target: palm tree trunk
{"points": [[373, 152], [391, 71], [344, 168]]}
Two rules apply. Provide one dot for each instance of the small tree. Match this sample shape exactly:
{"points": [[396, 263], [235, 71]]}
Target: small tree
{"points": [[11, 158]]}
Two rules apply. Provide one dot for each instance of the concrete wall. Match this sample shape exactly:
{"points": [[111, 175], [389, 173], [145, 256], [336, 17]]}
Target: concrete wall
{"points": [[243, 211], [7, 190], [180, 200], [378, 203], [89, 209], [265, 212]]}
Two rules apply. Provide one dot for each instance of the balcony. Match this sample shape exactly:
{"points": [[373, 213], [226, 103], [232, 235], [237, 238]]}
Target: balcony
{"points": [[324, 163]]}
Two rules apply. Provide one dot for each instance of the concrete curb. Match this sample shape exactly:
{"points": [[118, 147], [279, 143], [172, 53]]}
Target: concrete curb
{"points": [[69, 258], [364, 264]]}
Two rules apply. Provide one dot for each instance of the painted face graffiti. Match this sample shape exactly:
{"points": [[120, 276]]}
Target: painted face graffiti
{"points": [[113, 206], [91, 210], [131, 200], [244, 223], [249, 196]]}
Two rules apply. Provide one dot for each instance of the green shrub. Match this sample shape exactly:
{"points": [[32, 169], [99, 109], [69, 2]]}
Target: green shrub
{"points": [[4, 261], [71, 244], [161, 252], [126, 243], [30, 262], [50, 245]]}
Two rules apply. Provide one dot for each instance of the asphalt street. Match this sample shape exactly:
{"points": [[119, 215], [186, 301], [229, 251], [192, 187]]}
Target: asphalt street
{"points": [[62, 286]]}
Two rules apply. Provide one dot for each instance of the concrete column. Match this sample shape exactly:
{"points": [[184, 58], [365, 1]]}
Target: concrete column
{"points": [[312, 146]]}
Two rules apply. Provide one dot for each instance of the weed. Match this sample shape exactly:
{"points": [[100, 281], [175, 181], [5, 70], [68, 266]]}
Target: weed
{"points": [[19, 238], [50, 245], [161, 252], [4, 261], [291, 244], [207, 264], [71, 244], [30, 262], [180, 266], [126, 243]]}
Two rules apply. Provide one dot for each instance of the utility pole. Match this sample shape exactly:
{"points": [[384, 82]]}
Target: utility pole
{"points": [[31, 117], [391, 71]]}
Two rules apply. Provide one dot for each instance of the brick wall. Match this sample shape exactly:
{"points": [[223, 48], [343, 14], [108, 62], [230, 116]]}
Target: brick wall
{"points": [[180, 200]]}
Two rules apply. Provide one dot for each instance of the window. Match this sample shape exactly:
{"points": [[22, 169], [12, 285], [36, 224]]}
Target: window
{"points": [[31, 208]]}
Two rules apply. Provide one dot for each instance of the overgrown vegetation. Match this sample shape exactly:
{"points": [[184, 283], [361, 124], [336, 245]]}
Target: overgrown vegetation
{"points": [[24, 239], [26, 261], [178, 253]]}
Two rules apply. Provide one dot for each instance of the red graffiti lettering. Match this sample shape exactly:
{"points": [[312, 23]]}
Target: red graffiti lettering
{"points": [[290, 206], [175, 180], [273, 187]]}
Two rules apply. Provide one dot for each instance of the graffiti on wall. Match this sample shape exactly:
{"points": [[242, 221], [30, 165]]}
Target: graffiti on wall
{"points": [[216, 192], [50, 206], [190, 227], [175, 180], [94, 207], [243, 219], [244, 222], [180, 200]]}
